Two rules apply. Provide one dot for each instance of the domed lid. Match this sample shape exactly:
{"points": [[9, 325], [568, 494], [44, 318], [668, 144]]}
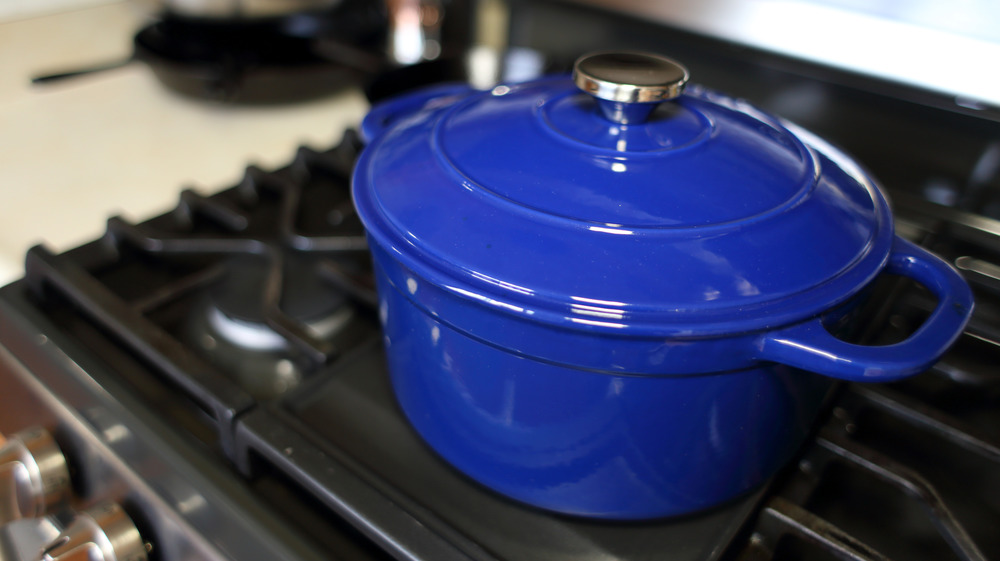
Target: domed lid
{"points": [[625, 206]]}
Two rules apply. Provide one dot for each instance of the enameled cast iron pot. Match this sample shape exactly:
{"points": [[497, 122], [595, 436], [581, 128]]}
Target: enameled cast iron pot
{"points": [[605, 305]]}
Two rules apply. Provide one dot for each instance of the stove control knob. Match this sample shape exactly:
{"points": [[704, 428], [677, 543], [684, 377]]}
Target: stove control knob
{"points": [[102, 533], [33, 475]]}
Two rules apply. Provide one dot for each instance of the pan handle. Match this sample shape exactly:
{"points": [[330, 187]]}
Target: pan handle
{"points": [[93, 69], [809, 346]]}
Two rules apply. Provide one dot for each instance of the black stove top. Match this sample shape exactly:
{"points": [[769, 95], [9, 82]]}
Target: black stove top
{"points": [[247, 318], [245, 323]]}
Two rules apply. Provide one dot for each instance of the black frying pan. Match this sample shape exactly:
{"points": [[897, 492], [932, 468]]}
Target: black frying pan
{"points": [[259, 61]]}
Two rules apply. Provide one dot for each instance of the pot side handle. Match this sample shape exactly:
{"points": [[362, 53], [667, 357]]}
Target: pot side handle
{"points": [[810, 346], [385, 114]]}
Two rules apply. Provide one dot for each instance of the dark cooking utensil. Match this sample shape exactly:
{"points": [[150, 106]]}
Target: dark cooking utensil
{"points": [[258, 60], [59, 76]]}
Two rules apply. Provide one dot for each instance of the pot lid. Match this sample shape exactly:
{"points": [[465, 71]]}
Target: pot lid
{"points": [[614, 201]]}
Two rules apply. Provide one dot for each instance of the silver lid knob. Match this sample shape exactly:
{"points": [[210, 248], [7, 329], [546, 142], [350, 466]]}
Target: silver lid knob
{"points": [[33, 475], [102, 533], [629, 84]]}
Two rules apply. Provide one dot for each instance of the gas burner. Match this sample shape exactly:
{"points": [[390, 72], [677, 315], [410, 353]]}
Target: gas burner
{"points": [[241, 294], [238, 329], [254, 355], [261, 337], [256, 288]]}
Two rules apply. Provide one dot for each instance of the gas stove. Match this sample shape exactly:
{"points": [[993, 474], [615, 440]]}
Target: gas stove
{"points": [[215, 376]]}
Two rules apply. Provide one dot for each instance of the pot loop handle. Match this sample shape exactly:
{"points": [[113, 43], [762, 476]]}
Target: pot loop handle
{"points": [[810, 346]]}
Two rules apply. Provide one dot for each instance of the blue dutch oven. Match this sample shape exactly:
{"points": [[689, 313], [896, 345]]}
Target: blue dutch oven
{"points": [[611, 302]]}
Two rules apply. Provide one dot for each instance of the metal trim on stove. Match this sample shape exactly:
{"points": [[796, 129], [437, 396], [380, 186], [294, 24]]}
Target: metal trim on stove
{"points": [[34, 478], [101, 533], [192, 507]]}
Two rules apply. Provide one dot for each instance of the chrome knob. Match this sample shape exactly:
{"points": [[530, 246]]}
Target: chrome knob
{"points": [[33, 475], [102, 533], [629, 85], [24, 539]]}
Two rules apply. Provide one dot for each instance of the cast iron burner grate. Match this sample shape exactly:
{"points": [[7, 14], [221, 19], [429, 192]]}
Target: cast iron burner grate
{"points": [[271, 275], [909, 470]]}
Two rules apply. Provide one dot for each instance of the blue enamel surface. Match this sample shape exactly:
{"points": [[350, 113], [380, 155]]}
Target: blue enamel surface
{"points": [[570, 115], [738, 227], [587, 424], [623, 343], [592, 444], [694, 166]]}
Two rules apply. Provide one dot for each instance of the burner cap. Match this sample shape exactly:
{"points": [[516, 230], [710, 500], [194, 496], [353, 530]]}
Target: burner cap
{"points": [[243, 292]]}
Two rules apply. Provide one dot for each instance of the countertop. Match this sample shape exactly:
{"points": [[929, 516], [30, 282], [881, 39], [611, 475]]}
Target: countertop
{"points": [[76, 152]]}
